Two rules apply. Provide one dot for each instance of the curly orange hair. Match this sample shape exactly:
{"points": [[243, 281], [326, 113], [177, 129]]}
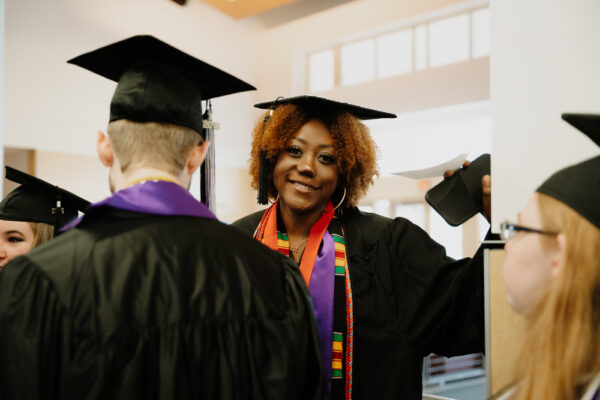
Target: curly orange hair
{"points": [[355, 149]]}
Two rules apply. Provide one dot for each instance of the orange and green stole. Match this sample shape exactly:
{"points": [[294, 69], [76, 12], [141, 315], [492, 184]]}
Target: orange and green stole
{"points": [[324, 267]]}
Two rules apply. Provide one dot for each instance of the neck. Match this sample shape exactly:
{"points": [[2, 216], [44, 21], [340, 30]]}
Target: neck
{"points": [[298, 224], [132, 177]]}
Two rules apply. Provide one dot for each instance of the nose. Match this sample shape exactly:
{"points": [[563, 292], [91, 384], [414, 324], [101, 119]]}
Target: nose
{"points": [[306, 165], [508, 245], [3, 256]]}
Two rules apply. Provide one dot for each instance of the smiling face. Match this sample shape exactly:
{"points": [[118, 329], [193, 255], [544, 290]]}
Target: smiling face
{"points": [[531, 260], [306, 174], [16, 238]]}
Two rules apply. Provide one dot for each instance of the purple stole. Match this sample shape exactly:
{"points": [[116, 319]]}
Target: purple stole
{"points": [[152, 197]]}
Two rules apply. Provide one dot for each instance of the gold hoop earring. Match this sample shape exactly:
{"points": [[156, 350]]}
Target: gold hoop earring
{"points": [[341, 201], [276, 198]]}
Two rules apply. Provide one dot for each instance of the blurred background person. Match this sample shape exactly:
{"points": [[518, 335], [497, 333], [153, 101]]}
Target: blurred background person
{"points": [[30, 215]]}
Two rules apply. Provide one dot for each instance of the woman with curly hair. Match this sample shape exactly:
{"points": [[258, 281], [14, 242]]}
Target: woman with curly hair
{"points": [[552, 275], [385, 294]]}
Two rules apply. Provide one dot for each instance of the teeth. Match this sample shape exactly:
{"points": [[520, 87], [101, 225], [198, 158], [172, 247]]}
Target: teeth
{"points": [[303, 186]]}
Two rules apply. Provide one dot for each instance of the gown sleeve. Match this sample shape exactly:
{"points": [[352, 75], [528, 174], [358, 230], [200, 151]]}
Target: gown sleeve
{"points": [[439, 299], [33, 324]]}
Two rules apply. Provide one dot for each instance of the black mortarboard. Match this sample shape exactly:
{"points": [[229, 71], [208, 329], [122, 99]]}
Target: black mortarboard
{"points": [[159, 83], [459, 197], [325, 105], [317, 106], [36, 200], [578, 186]]}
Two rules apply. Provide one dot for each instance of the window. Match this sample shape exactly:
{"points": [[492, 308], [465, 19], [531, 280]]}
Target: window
{"points": [[394, 53], [382, 207], [427, 43], [448, 236], [415, 213], [449, 40], [321, 71], [420, 47], [358, 62], [480, 33]]}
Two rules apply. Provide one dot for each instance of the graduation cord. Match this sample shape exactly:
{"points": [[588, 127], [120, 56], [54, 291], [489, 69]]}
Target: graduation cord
{"points": [[280, 242], [152, 179]]}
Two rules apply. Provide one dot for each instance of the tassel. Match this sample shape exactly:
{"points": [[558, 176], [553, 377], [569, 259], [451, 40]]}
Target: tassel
{"points": [[263, 169], [263, 179], [207, 170]]}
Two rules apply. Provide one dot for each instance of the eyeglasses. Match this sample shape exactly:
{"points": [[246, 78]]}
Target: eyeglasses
{"points": [[509, 231]]}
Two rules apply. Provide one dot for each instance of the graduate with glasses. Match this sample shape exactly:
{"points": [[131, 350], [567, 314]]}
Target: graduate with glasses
{"points": [[552, 275]]}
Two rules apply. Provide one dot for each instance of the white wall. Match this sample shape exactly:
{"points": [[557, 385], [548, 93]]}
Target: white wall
{"points": [[284, 45], [546, 61], [88, 180], [1, 85], [57, 108], [54, 106]]}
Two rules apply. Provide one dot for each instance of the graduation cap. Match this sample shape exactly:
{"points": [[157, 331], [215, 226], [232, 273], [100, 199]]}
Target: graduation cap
{"points": [[159, 83], [578, 186], [325, 106], [36, 200], [459, 197], [318, 106]]}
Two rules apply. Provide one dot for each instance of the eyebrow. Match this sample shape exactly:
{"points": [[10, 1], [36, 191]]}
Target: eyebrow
{"points": [[305, 142], [14, 231]]}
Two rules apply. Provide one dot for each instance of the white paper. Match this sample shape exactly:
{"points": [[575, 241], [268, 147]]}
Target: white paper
{"points": [[436, 170]]}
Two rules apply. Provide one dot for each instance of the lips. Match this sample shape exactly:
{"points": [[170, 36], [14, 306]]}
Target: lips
{"points": [[303, 187]]}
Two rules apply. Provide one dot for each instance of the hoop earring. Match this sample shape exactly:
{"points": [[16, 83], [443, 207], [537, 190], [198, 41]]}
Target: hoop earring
{"points": [[276, 198], [341, 201]]}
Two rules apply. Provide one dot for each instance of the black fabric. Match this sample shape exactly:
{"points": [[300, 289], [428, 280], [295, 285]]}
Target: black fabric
{"points": [[326, 106], [157, 82], [459, 197], [35, 200], [132, 306], [577, 185], [410, 300], [589, 124]]}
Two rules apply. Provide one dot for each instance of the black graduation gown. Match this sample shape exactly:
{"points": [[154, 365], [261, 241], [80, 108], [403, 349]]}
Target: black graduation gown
{"points": [[410, 300], [136, 306]]}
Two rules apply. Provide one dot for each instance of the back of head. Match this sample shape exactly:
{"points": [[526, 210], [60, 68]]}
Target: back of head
{"points": [[158, 83], [156, 145]]}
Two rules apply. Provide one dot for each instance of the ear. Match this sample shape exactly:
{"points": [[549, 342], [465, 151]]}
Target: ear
{"points": [[196, 157], [560, 255], [104, 149]]}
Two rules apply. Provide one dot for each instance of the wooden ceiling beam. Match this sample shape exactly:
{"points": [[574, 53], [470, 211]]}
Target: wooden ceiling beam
{"points": [[245, 8]]}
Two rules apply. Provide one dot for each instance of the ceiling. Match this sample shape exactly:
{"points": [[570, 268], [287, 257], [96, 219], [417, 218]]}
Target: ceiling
{"points": [[272, 12], [245, 8]]}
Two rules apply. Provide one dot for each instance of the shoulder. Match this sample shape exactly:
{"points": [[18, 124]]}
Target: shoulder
{"points": [[248, 223], [365, 229]]}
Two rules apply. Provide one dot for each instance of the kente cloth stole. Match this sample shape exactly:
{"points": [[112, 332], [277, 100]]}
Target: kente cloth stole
{"points": [[327, 275]]}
